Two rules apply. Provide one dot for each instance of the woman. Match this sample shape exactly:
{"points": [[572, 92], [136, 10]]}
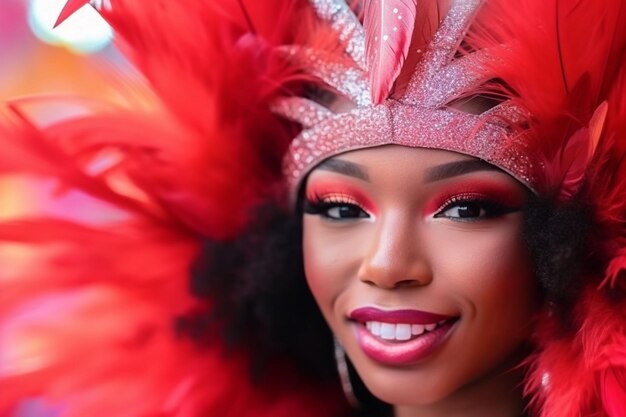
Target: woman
{"points": [[430, 317], [455, 185]]}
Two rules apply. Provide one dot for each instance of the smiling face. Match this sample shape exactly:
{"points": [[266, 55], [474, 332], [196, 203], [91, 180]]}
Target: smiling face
{"points": [[417, 262]]}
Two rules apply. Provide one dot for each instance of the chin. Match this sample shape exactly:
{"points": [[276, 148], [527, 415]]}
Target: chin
{"points": [[401, 386], [407, 396]]}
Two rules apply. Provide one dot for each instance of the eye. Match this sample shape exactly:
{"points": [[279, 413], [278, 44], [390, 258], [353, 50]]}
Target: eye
{"points": [[468, 209], [335, 208], [344, 211]]}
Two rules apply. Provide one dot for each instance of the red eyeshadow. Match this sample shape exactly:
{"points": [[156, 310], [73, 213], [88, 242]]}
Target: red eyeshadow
{"points": [[324, 188], [505, 194]]}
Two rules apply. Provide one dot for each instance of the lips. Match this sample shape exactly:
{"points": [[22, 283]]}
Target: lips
{"points": [[366, 314], [400, 337]]}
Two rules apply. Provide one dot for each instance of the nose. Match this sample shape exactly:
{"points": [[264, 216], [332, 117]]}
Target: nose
{"points": [[396, 256]]}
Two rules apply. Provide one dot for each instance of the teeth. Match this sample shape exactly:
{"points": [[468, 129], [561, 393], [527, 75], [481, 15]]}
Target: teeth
{"points": [[403, 331], [417, 329], [388, 331], [400, 331]]}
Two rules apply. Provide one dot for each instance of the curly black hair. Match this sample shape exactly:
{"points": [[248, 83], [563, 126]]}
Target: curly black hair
{"points": [[557, 240]]}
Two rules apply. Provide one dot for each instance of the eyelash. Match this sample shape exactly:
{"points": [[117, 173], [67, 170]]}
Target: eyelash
{"points": [[492, 209], [321, 205]]}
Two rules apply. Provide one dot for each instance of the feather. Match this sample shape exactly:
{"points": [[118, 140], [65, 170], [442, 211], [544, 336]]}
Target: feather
{"points": [[576, 156], [389, 28], [186, 167], [594, 356], [343, 20], [69, 9], [557, 73], [614, 391], [429, 17]]}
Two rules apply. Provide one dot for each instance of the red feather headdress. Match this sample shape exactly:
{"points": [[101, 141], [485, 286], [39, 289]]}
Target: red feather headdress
{"points": [[208, 147]]}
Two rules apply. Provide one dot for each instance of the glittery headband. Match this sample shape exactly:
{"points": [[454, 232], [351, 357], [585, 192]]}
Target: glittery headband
{"points": [[420, 117]]}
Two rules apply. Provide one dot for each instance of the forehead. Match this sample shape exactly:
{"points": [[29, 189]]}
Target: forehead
{"points": [[420, 164]]}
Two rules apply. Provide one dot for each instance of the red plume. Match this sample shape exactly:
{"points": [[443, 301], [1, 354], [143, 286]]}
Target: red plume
{"points": [[184, 163], [569, 167], [389, 27]]}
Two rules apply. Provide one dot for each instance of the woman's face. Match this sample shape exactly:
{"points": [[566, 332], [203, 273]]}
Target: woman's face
{"points": [[417, 262]]}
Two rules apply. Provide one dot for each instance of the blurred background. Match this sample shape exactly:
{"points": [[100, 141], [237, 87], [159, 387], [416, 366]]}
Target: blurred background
{"points": [[36, 58]]}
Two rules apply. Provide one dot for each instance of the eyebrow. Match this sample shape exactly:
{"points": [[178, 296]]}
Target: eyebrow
{"points": [[437, 173], [344, 167], [456, 168]]}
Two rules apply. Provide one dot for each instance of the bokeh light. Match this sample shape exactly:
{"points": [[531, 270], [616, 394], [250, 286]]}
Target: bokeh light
{"points": [[84, 32]]}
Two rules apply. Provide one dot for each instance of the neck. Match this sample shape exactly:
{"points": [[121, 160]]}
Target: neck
{"points": [[497, 395]]}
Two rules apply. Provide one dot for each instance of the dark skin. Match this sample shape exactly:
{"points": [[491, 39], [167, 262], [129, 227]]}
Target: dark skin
{"points": [[399, 228]]}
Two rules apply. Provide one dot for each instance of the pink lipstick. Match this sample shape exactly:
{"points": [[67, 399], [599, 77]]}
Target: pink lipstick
{"points": [[365, 314], [400, 337]]}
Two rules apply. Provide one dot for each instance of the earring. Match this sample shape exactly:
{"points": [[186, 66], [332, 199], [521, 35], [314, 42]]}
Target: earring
{"points": [[344, 374]]}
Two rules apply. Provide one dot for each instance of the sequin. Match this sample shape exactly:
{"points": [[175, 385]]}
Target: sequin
{"points": [[346, 24], [419, 118]]}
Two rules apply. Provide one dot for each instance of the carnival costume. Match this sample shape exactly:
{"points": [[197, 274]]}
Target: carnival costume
{"points": [[234, 117]]}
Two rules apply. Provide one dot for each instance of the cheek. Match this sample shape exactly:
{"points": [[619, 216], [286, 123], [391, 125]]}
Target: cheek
{"points": [[509, 275], [317, 258], [488, 268], [330, 261], [489, 271], [485, 273]]}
